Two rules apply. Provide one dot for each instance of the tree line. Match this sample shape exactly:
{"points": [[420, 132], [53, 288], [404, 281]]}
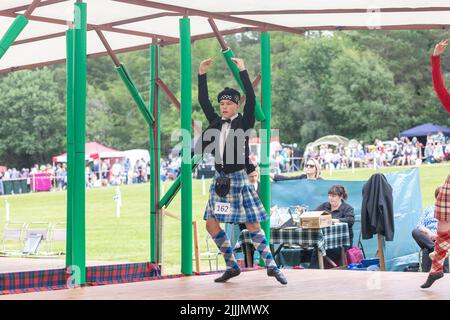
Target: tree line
{"points": [[362, 84]]}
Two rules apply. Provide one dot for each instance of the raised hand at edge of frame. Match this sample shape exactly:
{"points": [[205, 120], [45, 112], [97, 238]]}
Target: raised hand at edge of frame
{"points": [[440, 47], [204, 65]]}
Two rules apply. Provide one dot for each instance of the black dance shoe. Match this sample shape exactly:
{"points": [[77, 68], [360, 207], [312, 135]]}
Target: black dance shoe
{"points": [[230, 273], [275, 272], [432, 277]]}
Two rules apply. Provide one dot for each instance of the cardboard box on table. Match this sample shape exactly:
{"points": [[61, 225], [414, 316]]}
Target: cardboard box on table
{"points": [[315, 220]]}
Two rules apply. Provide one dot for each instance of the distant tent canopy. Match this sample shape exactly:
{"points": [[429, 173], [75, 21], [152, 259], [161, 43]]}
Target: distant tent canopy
{"points": [[353, 144], [137, 154], [331, 140], [424, 130], [94, 150]]}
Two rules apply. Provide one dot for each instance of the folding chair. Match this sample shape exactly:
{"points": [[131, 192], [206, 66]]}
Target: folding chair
{"points": [[32, 244], [13, 231], [210, 255], [42, 228]]}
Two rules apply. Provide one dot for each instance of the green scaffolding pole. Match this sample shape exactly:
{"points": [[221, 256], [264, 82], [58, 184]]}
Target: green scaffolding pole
{"points": [[79, 98], [176, 185], [124, 74], [12, 33], [155, 152], [186, 168], [265, 132], [69, 143]]}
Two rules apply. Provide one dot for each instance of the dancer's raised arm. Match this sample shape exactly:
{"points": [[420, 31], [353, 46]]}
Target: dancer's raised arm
{"points": [[438, 81]]}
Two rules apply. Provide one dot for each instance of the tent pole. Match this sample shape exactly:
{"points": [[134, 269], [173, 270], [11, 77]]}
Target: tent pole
{"points": [[70, 144], [126, 78], [16, 28], [186, 167], [155, 151], [79, 94], [265, 129]]}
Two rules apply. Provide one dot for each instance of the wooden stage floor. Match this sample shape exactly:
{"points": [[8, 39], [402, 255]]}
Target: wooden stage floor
{"points": [[303, 285]]}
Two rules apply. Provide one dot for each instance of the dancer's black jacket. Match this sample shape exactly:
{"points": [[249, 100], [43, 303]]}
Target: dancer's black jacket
{"points": [[243, 121], [377, 212]]}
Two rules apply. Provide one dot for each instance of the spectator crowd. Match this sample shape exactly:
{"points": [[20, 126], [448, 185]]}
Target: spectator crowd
{"points": [[397, 152], [104, 172], [100, 172]]}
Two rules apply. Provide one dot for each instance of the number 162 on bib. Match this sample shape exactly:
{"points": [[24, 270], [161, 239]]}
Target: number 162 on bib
{"points": [[222, 208]]}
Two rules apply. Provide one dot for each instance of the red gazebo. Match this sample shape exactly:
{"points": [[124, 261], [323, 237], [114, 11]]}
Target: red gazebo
{"points": [[94, 150]]}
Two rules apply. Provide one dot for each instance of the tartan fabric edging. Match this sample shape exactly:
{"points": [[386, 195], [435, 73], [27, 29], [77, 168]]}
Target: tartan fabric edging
{"points": [[57, 279]]}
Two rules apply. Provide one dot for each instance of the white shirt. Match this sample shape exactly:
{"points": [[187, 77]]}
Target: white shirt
{"points": [[224, 134]]}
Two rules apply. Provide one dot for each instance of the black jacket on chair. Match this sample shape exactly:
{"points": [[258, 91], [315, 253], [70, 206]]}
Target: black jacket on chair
{"points": [[377, 212]]}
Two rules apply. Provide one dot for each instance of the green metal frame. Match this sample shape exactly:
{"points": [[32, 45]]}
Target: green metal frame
{"points": [[155, 151], [12, 33], [266, 99], [79, 106], [124, 74], [70, 143], [186, 167]]}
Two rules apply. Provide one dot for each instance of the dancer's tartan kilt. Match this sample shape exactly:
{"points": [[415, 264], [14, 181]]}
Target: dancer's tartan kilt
{"points": [[245, 205], [442, 207]]}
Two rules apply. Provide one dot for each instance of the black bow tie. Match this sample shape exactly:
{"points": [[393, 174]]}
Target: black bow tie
{"points": [[225, 120]]}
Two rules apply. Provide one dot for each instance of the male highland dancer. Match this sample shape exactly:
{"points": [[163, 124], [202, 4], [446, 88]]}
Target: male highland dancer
{"points": [[232, 198]]}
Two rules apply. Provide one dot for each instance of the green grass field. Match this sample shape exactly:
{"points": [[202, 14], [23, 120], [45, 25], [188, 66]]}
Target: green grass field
{"points": [[127, 239]]}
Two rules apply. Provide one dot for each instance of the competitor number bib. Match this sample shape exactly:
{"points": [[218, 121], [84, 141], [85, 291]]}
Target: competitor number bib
{"points": [[222, 208]]}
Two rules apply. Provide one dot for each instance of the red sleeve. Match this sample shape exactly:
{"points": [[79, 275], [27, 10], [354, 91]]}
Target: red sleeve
{"points": [[438, 82]]}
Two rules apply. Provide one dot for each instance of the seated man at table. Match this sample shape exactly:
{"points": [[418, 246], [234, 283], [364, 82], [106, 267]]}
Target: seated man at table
{"points": [[340, 210]]}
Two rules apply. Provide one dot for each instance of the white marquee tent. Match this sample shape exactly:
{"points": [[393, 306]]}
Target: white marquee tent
{"points": [[133, 24]]}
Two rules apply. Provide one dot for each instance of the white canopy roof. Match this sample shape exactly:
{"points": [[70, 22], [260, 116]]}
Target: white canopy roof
{"points": [[132, 24]]}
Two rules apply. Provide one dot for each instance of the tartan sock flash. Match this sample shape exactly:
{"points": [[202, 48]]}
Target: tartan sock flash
{"points": [[224, 245], [260, 242], [441, 246]]}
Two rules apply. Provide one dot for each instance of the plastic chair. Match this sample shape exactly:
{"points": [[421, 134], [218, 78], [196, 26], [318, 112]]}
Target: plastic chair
{"points": [[42, 228], [210, 254]]}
